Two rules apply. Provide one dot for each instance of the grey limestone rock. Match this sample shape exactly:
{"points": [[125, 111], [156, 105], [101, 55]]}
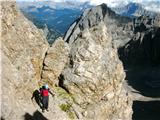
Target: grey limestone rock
{"points": [[56, 58], [118, 27], [94, 77], [23, 50]]}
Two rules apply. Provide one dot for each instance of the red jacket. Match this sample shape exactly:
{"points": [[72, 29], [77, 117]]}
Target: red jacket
{"points": [[44, 92]]}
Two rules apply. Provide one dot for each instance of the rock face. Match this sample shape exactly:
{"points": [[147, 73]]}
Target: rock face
{"points": [[25, 55], [95, 74], [55, 61], [136, 39], [94, 77], [23, 51], [118, 27]]}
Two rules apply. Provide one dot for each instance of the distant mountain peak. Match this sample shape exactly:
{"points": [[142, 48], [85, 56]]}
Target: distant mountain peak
{"points": [[104, 8], [133, 10]]}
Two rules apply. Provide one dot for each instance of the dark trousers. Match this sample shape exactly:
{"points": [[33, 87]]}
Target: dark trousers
{"points": [[45, 100]]}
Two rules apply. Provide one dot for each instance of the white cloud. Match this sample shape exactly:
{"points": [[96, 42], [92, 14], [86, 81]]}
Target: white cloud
{"points": [[112, 3], [148, 4], [119, 2], [98, 1]]}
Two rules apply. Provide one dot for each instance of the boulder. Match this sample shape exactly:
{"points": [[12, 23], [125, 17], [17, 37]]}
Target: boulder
{"points": [[56, 58]]}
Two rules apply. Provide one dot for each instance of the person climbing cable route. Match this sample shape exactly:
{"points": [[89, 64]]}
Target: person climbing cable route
{"points": [[44, 92]]}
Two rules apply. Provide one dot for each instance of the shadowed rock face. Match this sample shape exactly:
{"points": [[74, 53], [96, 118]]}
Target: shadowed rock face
{"points": [[141, 57], [143, 48]]}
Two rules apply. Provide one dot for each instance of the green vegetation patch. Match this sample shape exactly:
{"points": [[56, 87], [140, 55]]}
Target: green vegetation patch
{"points": [[63, 94], [67, 108]]}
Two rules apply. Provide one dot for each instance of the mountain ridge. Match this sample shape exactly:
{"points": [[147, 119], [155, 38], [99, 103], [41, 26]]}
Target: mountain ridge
{"points": [[98, 14], [134, 10], [58, 16]]}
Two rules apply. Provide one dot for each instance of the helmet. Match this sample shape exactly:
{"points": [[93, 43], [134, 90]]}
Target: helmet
{"points": [[46, 86]]}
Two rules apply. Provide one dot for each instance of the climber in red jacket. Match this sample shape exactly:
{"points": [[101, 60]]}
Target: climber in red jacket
{"points": [[44, 91]]}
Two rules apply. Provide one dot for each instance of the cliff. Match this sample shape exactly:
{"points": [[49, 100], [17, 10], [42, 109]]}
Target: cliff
{"points": [[23, 51], [120, 28], [143, 47], [94, 77]]}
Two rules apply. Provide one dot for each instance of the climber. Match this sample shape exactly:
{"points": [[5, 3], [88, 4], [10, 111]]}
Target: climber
{"points": [[44, 91]]}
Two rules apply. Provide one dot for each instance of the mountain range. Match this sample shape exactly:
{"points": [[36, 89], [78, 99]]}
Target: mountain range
{"points": [[133, 10], [58, 16]]}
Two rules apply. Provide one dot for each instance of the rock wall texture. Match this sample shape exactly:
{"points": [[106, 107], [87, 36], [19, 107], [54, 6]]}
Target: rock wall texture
{"points": [[137, 39], [119, 27], [55, 61], [23, 50], [94, 77], [95, 74], [26, 57]]}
